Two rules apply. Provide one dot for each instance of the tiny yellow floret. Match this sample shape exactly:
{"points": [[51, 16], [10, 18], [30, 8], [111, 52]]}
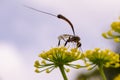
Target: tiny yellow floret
{"points": [[37, 71], [117, 77]]}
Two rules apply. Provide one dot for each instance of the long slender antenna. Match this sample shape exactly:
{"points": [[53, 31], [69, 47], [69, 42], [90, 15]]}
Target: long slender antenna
{"points": [[40, 11], [58, 16], [64, 18]]}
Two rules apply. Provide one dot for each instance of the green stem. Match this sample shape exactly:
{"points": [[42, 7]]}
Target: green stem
{"points": [[102, 72], [61, 67]]}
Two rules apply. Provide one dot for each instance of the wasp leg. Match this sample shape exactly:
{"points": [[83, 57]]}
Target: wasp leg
{"points": [[66, 43], [78, 44], [59, 42]]}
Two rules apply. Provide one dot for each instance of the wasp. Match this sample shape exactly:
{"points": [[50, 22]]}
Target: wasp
{"points": [[65, 37]]}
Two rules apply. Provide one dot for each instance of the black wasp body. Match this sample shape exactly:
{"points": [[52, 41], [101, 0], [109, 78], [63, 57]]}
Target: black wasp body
{"points": [[66, 37], [70, 38]]}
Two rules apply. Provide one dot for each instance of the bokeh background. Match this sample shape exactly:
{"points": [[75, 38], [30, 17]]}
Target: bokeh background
{"points": [[25, 33]]}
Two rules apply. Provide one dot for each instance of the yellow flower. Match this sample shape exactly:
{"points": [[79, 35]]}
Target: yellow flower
{"points": [[56, 57], [67, 70], [116, 26], [117, 39], [105, 57], [117, 78], [105, 35], [47, 71], [114, 32], [37, 70]]}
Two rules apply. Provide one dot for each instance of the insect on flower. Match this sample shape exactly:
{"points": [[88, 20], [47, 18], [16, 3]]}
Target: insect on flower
{"points": [[66, 37]]}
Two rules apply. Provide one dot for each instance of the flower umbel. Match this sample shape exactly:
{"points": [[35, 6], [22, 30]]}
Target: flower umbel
{"points": [[61, 55], [102, 58], [58, 57], [117, 77], [106, 57], [114, 32]]}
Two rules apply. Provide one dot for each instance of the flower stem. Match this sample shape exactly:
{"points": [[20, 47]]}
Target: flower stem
{"points": [[102, 72], [61, 67]]}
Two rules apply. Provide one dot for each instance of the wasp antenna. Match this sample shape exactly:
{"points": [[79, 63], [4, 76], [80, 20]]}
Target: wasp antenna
{"points": [[58, 16], [64, 18], [39, 10]]}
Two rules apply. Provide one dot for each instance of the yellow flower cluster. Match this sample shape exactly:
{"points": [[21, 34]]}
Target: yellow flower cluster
{"points": [[116, 26], [114, 33], [105, 57], [117, 78], [61, 55], [56, 57]]}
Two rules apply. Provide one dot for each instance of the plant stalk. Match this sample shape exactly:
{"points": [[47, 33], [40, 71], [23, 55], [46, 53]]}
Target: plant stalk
{"points": [[102, 72], [61, 67]]}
